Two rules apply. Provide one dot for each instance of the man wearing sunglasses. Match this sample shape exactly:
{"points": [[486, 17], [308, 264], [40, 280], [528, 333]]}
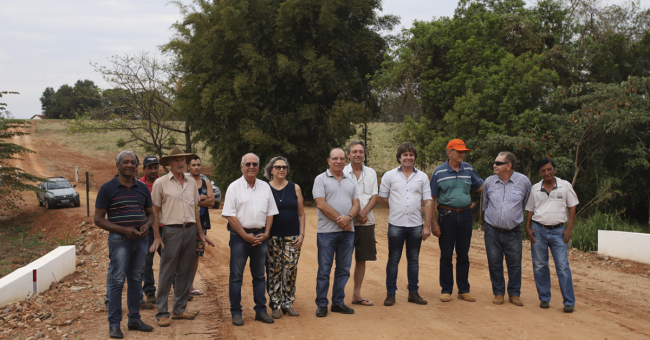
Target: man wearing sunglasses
{"points": [[504, 197], [249, 208], [451, 183], [337, 201]]}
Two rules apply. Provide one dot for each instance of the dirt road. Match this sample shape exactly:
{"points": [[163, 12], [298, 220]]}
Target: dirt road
{"points": [[613, 297]]}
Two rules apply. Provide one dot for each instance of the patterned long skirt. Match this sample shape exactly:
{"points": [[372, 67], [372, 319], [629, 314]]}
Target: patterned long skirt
{"points": [[281, 271]]}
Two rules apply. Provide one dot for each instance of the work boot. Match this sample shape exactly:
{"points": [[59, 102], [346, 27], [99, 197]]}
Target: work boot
{"points": [[466, 297], [290, 311], [186, 315], [264, 317], [237, 320], [390, 300], [498, 300], [445, 297], [115, 333], [164, 321], [568, 309], [544, 304], [321, 311], [416, 298], [515, 300], [276, 314]]}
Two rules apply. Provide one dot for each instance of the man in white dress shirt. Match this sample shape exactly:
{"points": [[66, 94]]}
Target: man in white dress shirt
{"points": [[249, 208], [403, 190]]}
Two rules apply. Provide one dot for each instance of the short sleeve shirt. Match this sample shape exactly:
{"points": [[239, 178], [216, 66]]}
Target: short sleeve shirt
{"points": [[405, 196], [177, 202], [504, 202], [550, 208], [338, 195], [453, 187], [366, 188], [124, 205], [251, 206]]}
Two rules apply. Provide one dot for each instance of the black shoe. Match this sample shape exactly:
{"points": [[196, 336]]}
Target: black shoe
{"points": [[321, 311], [138, 325], [342, 308], [568, 309], [390, 300], [416, 298], [544, 304], [191, 298], [237, 320], [115, 333], [264, 317]]}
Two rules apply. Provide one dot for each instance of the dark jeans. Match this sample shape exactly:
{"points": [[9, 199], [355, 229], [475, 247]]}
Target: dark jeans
{"points": [[397, 236], [149, 284], [497, 246], [126, 263], [455, 233], [339, 245], [240, 251]]}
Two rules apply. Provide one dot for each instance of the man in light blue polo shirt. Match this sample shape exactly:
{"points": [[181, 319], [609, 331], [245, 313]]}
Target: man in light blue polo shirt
{"points": [[504, 197], [337, 200], [451, 183]]}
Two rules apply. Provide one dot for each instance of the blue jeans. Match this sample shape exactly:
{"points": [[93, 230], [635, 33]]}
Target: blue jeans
{"points": [[498, 245], [397, 236], [149, 282], [127, 260], [554, 239], [455, 232], [240, 251], [340, 244]]}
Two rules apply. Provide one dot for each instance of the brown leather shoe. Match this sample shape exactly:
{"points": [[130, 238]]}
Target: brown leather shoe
{"points": [[445, 297], [290, 311], [186, 315], [466, 297], [164, 322], [498, 300], [515, 300], [416, 298]]}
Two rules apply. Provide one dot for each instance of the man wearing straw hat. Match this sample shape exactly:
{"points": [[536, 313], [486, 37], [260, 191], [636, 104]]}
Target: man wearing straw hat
{"points": [[175, 198]]}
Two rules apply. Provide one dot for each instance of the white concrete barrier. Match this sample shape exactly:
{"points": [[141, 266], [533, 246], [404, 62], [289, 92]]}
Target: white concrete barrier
{"points": [[16, 286], [37, 276], [624, 245]]}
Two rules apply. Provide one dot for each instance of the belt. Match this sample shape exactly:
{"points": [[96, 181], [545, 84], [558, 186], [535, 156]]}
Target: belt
{"points": [[454, 209], [501, 230], [253, 230], [184, 225], [545, 226]]}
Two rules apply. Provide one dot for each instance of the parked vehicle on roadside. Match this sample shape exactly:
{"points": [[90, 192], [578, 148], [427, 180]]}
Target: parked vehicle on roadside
{"points": [[215, 189], [57, 191]]}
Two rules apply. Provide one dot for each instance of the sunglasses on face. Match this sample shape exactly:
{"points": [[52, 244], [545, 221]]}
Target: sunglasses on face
{"points": [[249, 164], [280, 167], [497, 163]]}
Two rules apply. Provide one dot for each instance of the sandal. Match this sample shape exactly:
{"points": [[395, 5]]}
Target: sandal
{"points": [[363, 302], [196, 292]]}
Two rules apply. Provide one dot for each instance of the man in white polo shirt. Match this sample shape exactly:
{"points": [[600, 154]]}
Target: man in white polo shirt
{"points": [[547, 207], [403, 190], [249, 208]]}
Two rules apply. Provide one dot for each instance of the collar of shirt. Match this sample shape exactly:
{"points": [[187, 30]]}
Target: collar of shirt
{"points": [[350, 171], [463, 166], [171, 176], [328, 173], [415, 170], [246, 185], [555, 187], [117, 182]]}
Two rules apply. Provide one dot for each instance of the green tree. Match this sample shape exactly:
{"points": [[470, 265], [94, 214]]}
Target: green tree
{"points": [[13, 180], [280, 77], [69, 101]]}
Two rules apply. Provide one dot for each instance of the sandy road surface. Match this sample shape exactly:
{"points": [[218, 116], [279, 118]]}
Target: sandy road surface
{"points": [[612, 301]]}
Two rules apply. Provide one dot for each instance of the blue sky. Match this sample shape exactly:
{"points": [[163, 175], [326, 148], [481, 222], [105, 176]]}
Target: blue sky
{"points": [[51, 43]]}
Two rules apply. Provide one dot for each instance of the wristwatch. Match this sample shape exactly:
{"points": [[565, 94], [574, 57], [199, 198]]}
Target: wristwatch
{"points": [[351, 218]]}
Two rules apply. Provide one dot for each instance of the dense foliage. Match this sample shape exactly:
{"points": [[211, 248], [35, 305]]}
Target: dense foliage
{"points": [[68, 101], [278, 77]]}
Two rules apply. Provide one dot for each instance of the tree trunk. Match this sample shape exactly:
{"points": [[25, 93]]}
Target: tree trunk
{"points": [[188, 140]]}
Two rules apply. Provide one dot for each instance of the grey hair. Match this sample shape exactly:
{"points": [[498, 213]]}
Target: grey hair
{"points": [[510, 158], [118, 159], [250, 153], [269, 167]]}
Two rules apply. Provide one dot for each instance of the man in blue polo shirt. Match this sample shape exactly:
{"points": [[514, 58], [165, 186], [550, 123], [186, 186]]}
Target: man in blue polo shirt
{"points": [[451, 183], [124, 208]]}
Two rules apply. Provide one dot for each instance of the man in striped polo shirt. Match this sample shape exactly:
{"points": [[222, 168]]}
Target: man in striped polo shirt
{"points": [[504, 197], [124, 208], [451, 183]]}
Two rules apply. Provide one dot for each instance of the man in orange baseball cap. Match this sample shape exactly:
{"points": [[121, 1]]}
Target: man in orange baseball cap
{"points": [[451, 183]]}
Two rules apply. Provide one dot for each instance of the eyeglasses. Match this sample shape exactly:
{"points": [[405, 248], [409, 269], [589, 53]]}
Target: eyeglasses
{"points": [[336, 159], [497, 163], [280, 167], [249, 164]]}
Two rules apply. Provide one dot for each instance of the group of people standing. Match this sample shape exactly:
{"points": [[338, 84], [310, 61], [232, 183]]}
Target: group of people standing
{"points": [[267, 224]]}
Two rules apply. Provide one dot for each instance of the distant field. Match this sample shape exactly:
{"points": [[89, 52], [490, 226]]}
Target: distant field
{"points": [[382, 142]]}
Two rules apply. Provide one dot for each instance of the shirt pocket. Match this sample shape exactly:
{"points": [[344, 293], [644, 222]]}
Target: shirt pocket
{"points": [[262, 205], [516, 196]]}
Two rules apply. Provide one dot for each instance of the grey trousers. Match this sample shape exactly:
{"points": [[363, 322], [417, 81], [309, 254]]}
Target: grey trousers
{"points": [[178, 259]]}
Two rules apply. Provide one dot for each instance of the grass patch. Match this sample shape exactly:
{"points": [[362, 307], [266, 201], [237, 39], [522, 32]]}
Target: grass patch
{"points": [[585, 231], [20, 246]]}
